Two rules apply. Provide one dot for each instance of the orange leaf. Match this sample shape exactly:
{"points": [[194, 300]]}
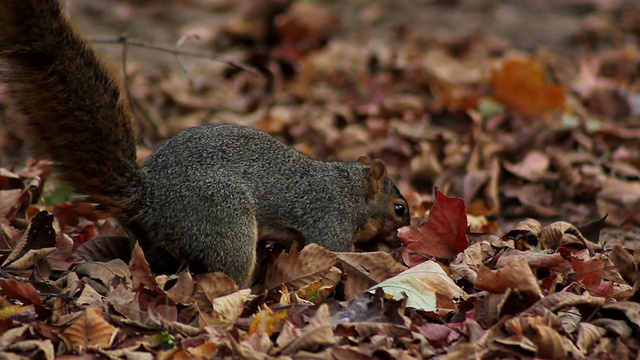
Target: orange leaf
{"points": [[267, 321], [521, 85], [89, 330]]}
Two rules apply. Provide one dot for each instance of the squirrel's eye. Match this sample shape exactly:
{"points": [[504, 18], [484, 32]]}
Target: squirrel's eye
{"points": [[399, 209]]}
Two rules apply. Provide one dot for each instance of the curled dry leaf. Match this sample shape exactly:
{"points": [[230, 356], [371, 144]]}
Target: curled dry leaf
{"points": [[618, 327], [528, 230], [288, 334], [125, 302], [363, 270], [300, 268], [29, 259], [226, 309], [38, 241], [35, 348], [625, 263], [211, 286], [561, 300], [183, 290], [588, 335], [466, 264], [515, 275], [318, 333], [552, 262], [321, 289], [549, 342], [89, 330], [631, 311], [563, 234]]}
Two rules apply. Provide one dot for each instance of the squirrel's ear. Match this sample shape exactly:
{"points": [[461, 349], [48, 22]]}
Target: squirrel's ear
{"points": [[365, 159], [376, 178]]}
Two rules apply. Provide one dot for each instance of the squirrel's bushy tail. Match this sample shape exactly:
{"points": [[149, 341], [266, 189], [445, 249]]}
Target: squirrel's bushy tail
{"points": [[76, 112]]}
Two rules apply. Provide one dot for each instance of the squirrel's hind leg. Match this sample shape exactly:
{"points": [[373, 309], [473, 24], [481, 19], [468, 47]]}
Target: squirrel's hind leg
{"points": [[224, 234], [212, 226]]}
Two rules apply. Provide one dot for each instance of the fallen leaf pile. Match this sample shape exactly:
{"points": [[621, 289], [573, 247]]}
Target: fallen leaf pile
{"points": [[521, 167]]}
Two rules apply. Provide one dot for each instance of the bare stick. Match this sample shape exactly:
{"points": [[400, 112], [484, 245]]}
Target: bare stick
{"points": [[175, 50]]}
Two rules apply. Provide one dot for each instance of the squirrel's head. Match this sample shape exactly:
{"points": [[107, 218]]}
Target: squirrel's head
{"points": [[387, 209]]}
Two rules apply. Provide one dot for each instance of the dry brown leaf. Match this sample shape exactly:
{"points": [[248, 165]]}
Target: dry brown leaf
{"points": [[617, 327], [549, 342], [588, 335], [525, 228], [226, 309], [533, 167], [321, 289], [515, 275], [364, 270], [105, 248], [630, 309], [42, 349], [105, 271], [552, 262], [367, 329], [38, 241], [125, 302], [625, 263], [12, 335], [206, 350], [89, 330], [425, 166], [318, 333], [89, 297], [183, 289], [618, 198], [11, 188], [351, 353], [563, 234], [141, 275], [29, 259], [466, 264], [300, 268], [210, 286], [535, 200]]}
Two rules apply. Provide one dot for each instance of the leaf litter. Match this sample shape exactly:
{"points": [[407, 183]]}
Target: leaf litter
{"points": [[521, 167]]}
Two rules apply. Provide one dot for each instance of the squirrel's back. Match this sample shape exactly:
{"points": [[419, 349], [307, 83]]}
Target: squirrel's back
{"points": [[281, 184]]}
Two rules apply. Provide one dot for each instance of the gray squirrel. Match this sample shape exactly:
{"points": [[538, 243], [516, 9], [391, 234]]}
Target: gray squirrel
{"points": [[207, 194]]}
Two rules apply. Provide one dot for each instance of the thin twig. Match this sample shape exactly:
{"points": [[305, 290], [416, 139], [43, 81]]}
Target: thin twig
{"points": [[179, 58], [175, 50]]}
